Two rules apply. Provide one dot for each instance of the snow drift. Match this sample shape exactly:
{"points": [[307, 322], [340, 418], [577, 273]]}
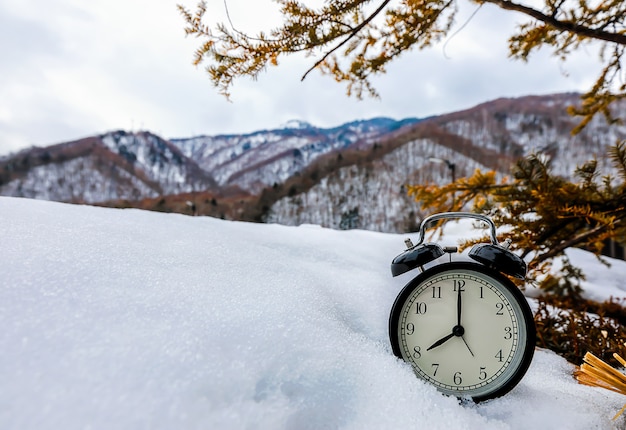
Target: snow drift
{"points": [[124, 319]]}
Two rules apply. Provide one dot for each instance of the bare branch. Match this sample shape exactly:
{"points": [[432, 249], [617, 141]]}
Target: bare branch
{"points": [[352, 34], [576, 240], [567, 26]]}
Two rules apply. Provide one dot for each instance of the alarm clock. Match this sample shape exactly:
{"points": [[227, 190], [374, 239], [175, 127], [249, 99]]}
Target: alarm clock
{"points": [[463, 326]]}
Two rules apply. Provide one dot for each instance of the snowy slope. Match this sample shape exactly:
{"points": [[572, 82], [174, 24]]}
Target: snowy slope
{"points": [[112, 166], [123, 319], [255, 160]]}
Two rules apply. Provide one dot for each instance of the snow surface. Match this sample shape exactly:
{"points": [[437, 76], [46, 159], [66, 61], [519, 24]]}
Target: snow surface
{"points": [[125, 319]]}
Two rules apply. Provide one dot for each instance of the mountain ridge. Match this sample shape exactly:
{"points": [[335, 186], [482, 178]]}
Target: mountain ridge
{"points": [[352, 175]]}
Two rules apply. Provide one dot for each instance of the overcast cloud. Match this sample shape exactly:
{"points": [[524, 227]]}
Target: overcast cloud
{"points": [[75, 68]]}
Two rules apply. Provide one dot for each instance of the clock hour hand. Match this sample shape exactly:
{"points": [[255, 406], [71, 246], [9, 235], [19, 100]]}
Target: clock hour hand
{"points": [[458, 330], [441, 341]]}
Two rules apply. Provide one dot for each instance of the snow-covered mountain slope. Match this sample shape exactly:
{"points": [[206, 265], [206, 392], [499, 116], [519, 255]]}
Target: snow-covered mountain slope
{"points": [[134, 166], [538, 124], [113, 166], [351, 175], [370, 194], [257, 160], [128, 319], [159, 160]]}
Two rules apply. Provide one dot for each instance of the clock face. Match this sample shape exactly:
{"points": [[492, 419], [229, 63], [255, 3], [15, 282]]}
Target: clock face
{"points": [[465, 329]]}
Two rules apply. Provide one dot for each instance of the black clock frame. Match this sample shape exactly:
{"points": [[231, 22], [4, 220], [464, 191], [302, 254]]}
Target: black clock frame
{"points": [[528, 348], [528, 320]]}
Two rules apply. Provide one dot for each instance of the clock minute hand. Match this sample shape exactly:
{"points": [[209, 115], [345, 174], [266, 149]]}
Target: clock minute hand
{"points": [[459, 328], [441, 341], [458, 307]]}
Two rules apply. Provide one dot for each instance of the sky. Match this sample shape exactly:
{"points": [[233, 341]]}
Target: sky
{"points": [[126, 319], [71, 69]]}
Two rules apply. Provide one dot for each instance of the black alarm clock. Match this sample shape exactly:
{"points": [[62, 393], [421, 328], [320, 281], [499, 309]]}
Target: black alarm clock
{"points": [[463, 325]]}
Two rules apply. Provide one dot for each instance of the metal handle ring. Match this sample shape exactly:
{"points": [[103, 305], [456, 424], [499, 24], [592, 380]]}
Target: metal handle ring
{"points": [[452, 215]]}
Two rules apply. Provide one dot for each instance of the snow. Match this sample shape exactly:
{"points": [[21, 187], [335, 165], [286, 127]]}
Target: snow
{"points": [[126, 319], [296, 124]]}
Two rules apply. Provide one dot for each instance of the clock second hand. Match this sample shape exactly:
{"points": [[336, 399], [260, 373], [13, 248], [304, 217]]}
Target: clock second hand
{"points": [[468, 348]]}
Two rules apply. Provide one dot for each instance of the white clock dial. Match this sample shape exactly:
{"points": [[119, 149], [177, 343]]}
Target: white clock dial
{"points": [[464, 329]]}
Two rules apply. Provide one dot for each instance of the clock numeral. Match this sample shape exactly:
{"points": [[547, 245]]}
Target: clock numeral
{"points": [[481, 293], [482, 375], [500, 308], [457, 378], [499, 356], [508, 333], [420, 308], [410, 328], [436, 292], [417, 352], [436, 366], [459, 283]]}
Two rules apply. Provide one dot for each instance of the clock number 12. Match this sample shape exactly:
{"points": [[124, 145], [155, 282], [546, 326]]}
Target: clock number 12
{"points": [[460, 284]]}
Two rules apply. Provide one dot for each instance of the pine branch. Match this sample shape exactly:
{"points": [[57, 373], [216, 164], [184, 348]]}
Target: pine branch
{"points": [[351, 35], [576, 240]]}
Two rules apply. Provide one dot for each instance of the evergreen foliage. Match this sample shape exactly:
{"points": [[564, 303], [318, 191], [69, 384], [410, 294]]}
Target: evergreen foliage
{"points": [[543, 214], [354, 40], [571, 328]]}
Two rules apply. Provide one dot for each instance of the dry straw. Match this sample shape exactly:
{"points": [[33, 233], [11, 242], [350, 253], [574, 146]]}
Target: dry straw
{"points": [[596, 373]]}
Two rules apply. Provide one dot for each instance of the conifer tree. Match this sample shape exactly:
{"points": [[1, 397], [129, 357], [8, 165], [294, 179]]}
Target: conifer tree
{"points": [[353, 40], [545, 213]]}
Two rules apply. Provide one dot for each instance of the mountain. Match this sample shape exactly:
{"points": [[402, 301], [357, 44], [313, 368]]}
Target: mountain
{"points": [[353, 175], [116, 165], [263, 158], [369, 193], [122, 166]]}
